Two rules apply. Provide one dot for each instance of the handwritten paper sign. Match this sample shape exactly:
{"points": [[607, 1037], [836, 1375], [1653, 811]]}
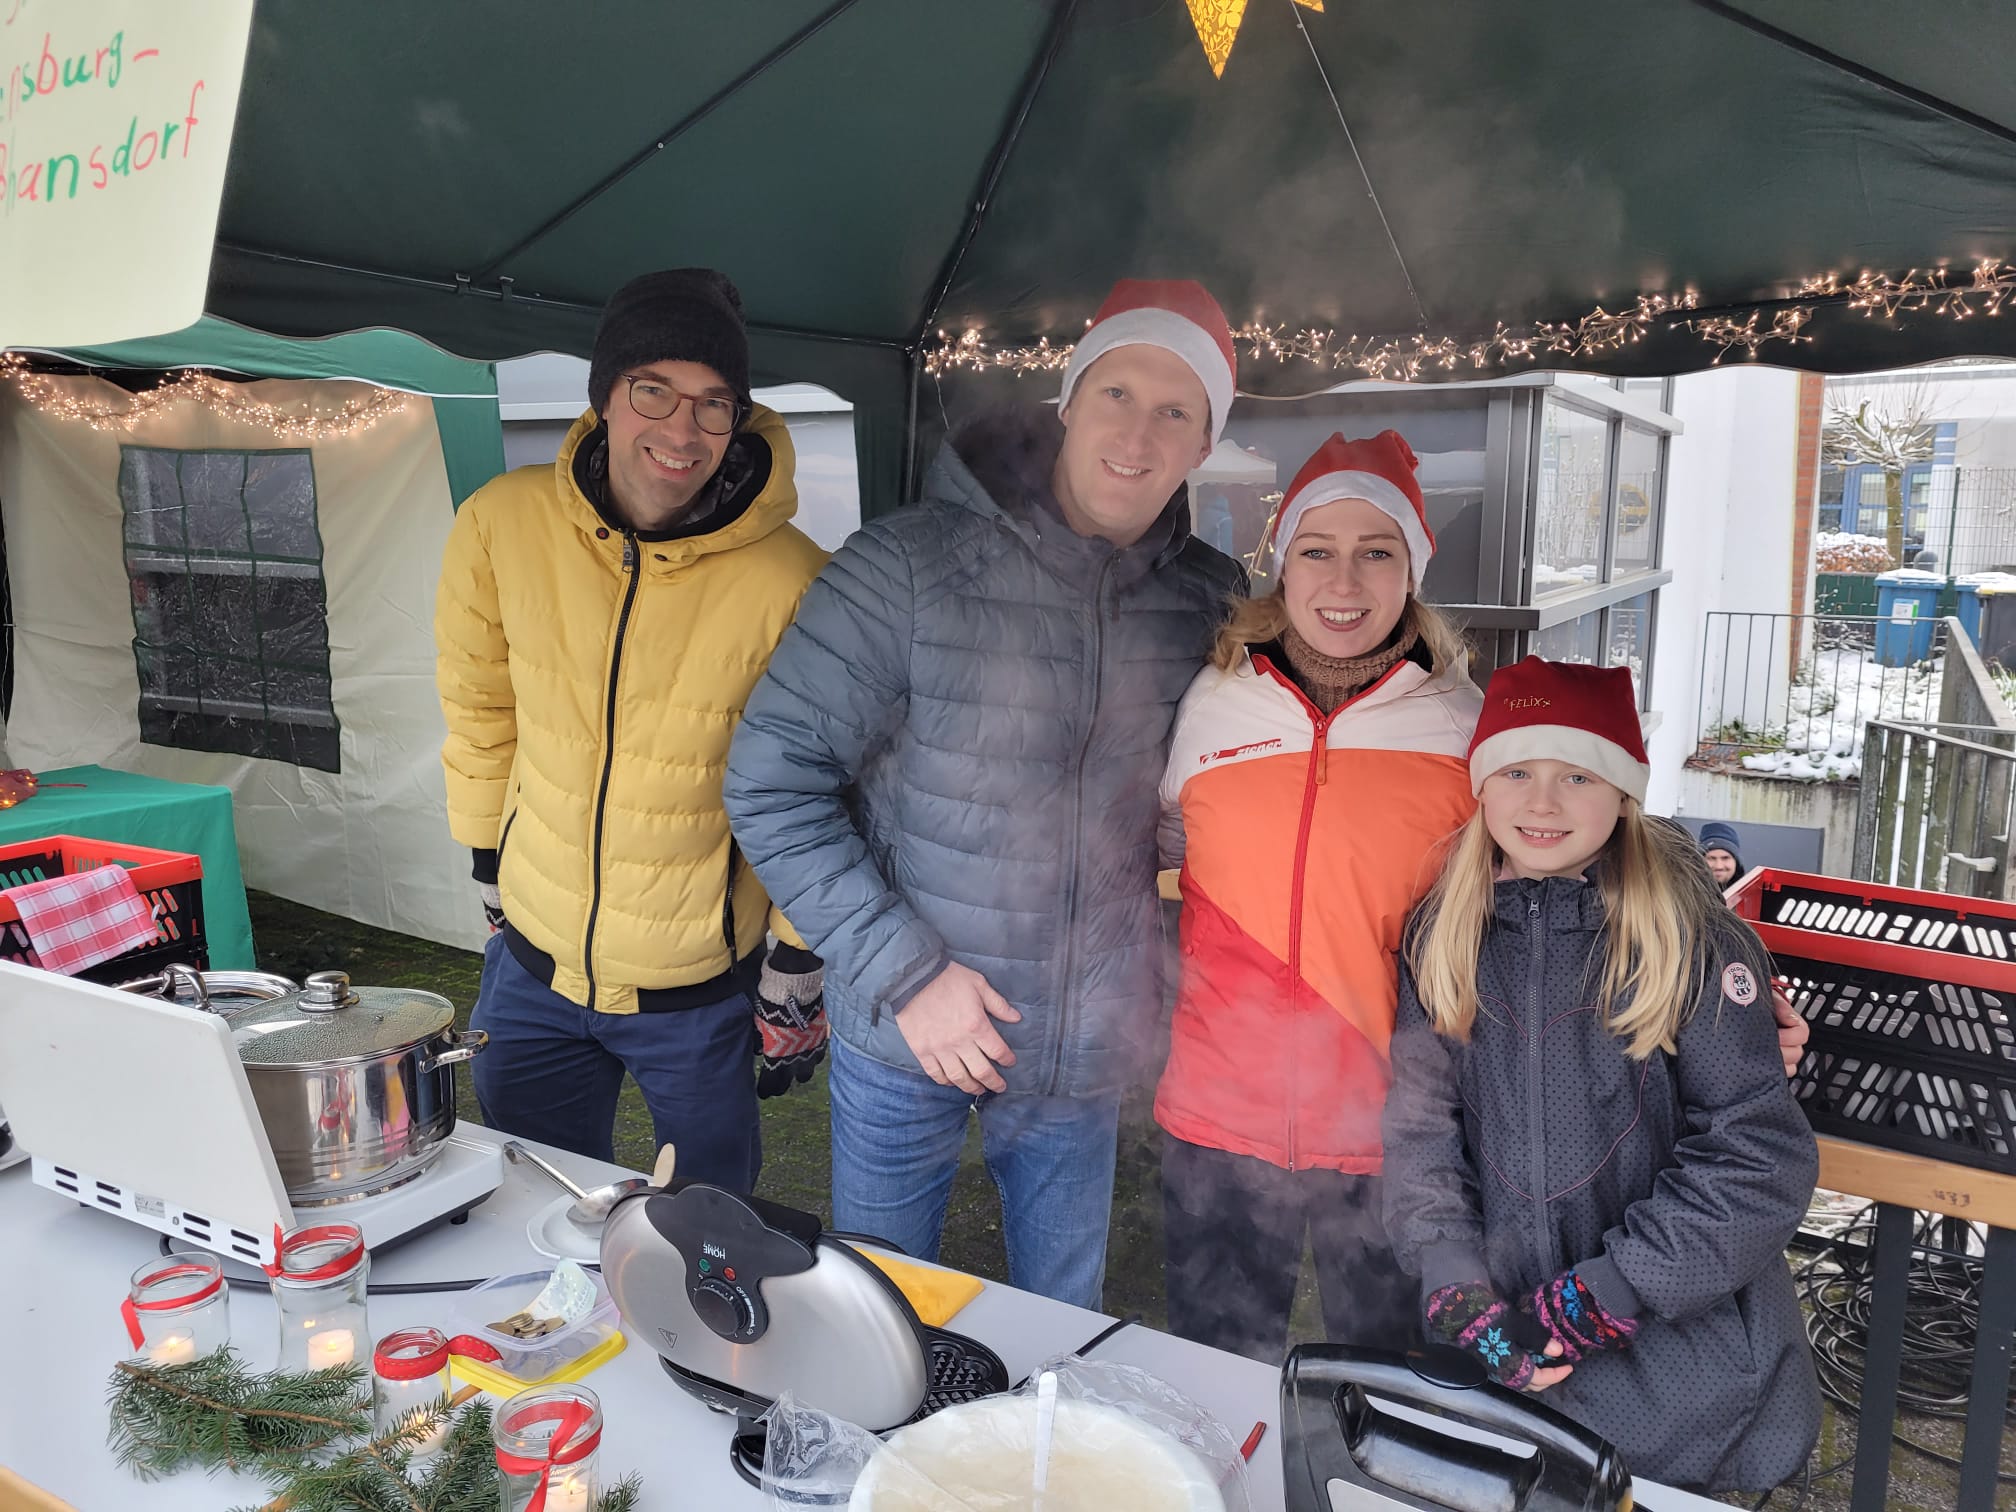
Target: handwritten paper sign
{"points": [[114, 133]]}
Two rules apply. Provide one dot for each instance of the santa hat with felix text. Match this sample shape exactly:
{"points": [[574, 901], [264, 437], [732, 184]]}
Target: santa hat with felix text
{"points": [[1562, 711]]}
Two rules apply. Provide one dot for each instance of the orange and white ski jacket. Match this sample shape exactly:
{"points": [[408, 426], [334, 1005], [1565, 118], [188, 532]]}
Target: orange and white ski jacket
{"points": [[1306, 839]]}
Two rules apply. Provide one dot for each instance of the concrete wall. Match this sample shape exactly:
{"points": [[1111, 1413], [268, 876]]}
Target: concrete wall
{"points": [[1730, 490], [1826, 806]]}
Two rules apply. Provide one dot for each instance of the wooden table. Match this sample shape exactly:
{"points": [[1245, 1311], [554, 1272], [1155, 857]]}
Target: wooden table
{"points": [[1903, 1185]]}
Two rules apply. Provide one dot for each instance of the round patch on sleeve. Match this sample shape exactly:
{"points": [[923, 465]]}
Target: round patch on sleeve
{"points": [[1739, 983]]}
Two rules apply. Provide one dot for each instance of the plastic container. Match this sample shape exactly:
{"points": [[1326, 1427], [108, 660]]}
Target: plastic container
{"points": [[170, 881], [533, 1359], [1911, 997]]}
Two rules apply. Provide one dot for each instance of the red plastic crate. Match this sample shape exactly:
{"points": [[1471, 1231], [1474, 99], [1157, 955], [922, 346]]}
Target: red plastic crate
{"points": [[170, 881], [1911, 997]]}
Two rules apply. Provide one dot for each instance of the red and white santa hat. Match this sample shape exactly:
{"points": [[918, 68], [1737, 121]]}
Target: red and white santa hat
{"points": [[1176, 314], [1380, 471], [1561, 711]]}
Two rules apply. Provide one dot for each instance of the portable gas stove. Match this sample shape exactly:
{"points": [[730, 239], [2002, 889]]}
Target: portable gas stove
{"points": [[141, 1108]]}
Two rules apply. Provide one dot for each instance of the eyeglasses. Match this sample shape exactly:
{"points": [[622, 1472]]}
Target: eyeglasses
{"points": [[660, 401]]}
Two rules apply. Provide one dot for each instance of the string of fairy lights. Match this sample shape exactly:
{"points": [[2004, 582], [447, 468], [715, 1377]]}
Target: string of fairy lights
{"points": [[1937, 293], [297, 420]]}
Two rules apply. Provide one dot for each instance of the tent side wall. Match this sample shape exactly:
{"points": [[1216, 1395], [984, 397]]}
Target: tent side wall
{"points": [[368, 840]]}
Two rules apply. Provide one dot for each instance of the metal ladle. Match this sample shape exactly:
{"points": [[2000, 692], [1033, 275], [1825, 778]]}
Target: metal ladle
{"points": [[589, 1208]]}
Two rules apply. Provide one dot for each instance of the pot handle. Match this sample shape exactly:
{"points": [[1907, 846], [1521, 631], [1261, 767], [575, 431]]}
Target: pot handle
{"points": [[463, 1047]]}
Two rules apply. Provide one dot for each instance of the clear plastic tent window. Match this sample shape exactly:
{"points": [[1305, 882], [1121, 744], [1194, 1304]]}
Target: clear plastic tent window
{"points": [[230, 611]]}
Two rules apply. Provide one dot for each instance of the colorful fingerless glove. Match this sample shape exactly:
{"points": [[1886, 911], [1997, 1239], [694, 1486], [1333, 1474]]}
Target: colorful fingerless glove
{"points": [[1473, 1318], [1570, 1313]]}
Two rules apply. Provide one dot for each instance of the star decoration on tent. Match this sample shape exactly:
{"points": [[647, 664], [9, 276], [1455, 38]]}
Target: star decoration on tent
{"points": [[1217, 23]]}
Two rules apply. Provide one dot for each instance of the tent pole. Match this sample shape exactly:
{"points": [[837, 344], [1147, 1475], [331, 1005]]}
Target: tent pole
{"points": [[915, 360], [1856, 70], [997, 163], [667, 137]]}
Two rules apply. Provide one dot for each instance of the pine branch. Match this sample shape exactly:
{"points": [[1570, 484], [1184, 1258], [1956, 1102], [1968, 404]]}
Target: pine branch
{"points": [[214, 1413]]}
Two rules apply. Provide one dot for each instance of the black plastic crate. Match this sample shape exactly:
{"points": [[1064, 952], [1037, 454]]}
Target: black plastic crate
{"points": [[1921, 1109]]}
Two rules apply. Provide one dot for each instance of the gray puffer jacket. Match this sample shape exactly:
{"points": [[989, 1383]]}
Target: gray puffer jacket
{"points": [[955, 753], [1672, 1185]]}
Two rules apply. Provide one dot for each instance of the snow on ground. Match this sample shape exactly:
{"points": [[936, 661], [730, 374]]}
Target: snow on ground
{"points": [[1831, 703]]}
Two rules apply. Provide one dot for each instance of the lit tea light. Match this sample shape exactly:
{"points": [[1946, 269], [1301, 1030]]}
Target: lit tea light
{"points": [[570, 1493], [174, 1349], [330, 1348]]}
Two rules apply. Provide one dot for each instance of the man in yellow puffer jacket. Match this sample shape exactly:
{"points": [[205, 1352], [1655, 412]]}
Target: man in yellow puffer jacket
{"points": [[599, 626]]}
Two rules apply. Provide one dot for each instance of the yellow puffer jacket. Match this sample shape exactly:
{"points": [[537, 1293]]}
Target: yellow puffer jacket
{"points": [[591, 684]]}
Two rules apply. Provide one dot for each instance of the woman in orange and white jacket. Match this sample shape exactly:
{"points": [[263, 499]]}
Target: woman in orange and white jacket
{"points": [[1316, 769]]}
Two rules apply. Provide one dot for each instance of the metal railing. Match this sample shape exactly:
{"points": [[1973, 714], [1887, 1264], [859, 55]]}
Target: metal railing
{"points": [[1938, 808], [1791, 695]]}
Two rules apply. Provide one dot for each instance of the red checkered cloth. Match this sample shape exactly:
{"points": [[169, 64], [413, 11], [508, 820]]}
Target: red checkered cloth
{"points": [[80, 919]]}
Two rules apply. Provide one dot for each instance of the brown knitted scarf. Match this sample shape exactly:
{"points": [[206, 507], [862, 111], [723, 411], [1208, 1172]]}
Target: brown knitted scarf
{"points": [[1330, 680]]}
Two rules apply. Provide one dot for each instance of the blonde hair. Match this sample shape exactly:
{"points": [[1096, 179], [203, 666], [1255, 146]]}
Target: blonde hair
{"points": [[1255, 621], [1663, 919]]}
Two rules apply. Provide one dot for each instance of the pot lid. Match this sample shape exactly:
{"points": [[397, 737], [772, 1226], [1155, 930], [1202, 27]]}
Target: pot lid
{"points": [[328, 1021]]}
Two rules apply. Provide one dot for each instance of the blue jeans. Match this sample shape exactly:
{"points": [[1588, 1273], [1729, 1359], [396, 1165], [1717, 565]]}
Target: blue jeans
{"points": [[896, 1141], [552, 1070]]}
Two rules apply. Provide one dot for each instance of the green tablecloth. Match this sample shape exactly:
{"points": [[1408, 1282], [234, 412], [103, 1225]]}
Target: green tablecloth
{"points": [[178, 816]]}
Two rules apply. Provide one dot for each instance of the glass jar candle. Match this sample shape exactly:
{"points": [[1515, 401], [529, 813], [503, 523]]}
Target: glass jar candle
{"points": [[409, 1374], [177, 1309], [318, 1280], [547, 1442]]}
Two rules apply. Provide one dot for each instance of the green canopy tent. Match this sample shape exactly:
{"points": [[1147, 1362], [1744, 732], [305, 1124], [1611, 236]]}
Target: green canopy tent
{"points": [[464, 393], [484, 173]]}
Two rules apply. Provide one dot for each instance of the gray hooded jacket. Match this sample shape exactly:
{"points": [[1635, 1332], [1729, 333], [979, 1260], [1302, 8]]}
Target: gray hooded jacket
{"points": [[955, 753], [1672, 1185]]}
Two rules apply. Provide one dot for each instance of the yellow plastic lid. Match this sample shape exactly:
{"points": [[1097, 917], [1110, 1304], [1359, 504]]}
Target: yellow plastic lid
{"points": [[497, 1383]]}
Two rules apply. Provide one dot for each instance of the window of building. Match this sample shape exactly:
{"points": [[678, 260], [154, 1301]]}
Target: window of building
{"points": [[1546, 496], [230, 612]]}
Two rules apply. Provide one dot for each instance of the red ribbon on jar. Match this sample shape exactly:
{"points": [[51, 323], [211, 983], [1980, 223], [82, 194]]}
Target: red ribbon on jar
{"points": [[286, 1244], [562, 1449], [130, 1311], [410, 1354]]}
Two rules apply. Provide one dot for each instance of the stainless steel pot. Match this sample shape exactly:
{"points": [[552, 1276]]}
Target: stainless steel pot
{"points": [[355, 1085]]}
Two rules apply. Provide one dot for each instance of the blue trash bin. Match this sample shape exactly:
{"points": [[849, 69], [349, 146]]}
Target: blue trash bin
{"points": [[1968, 608], [1908, 602]]}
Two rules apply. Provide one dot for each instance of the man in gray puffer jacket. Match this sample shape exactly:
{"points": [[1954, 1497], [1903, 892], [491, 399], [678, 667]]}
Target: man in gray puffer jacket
{"points": [[947, 781]]}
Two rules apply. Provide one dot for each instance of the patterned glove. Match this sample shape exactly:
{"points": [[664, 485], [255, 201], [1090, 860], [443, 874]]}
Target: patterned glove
{"points": [[790, 1018], [493, 905], [1571, 1314], [1473, 1318]]}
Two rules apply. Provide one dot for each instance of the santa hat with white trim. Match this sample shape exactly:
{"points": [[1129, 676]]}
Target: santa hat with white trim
{"points": [[1380, 471], [1176, 314], [1562, 711]]}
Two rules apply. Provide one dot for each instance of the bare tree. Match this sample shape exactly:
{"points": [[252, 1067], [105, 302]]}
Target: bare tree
{"points": [[1889, 431]]}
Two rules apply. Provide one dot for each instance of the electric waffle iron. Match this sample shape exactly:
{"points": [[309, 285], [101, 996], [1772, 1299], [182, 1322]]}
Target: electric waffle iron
{"points": [[744, 1299], [1332, 1432]]}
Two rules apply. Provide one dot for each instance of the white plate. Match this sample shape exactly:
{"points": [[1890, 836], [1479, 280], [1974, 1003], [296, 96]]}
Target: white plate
{"points": [[554, 1236]]}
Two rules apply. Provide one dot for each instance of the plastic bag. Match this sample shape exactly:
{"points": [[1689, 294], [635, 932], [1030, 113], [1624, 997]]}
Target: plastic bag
{"points": [[1123, 1439]]}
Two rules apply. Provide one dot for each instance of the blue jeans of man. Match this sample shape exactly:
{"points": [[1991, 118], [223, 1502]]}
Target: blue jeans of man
{"points": [[553, 1069], [896, 1141]]}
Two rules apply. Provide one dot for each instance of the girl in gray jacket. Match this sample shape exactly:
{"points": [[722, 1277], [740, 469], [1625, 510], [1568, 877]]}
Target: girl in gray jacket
{"points": [[1593, 1159]]}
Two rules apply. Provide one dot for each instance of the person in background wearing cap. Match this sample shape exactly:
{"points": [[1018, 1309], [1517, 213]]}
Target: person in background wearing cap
{"points": [[1316, 766], [1720, 849], [1593, 1160], [600, 623], [947, 780]]}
